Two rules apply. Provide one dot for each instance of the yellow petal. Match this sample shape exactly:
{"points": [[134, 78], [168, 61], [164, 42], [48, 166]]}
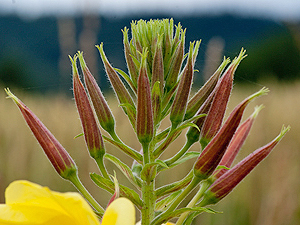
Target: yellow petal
{"points": [[29, 203], [168, 223], [120, 212]]}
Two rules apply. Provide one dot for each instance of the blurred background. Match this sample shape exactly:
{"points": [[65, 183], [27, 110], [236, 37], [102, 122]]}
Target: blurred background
{"points": [[36, 37]]}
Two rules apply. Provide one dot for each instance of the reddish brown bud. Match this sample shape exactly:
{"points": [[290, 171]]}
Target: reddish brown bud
{"points": [[228, 181], [181, 98], [144, 120], [214, 151], [58, 156], [214, 118], [119, 88], [199, 98], [101, 107], [93, 137], [236, 143]]}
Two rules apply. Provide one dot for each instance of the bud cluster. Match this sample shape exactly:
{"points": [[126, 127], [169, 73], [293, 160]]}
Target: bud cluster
{"points": [[158, 87]]}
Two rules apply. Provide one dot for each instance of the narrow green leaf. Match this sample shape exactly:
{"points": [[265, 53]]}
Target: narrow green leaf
{"points": [[124, 148], [109, 186], [125, 170]]}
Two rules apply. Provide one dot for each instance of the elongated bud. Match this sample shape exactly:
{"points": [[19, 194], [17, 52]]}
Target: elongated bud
{"points": [[228, 181], [158, 66], [214, 118], [133, 71], [58, 156], [214, 151], [144, 120], [236, 143], [105, 116], [181, 98], [92, 135], [199, 98], [123, 95], [175, 66]]}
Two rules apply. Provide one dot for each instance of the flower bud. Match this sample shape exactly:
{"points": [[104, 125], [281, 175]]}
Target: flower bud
{"points": [[133, 71], [144, 120], [158, 66], [229, 180], [214, 151], [214, 118], [175, 64], [123, 95], [92, 135], [181, 98], [199, 98], [58, 156], [236, 143], [105, 116]]}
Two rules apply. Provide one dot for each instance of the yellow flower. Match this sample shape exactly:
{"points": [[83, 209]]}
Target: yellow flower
{"points": [[29, 203]]}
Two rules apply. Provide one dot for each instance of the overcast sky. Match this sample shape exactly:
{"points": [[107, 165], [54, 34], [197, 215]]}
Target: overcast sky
{"points": [[276, 9]]}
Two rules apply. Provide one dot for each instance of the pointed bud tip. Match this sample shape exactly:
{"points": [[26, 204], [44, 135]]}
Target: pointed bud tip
{"points": [[283, 131]]}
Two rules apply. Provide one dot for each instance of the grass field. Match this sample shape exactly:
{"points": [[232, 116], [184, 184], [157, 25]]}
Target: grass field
{"points": [[270, 195]]}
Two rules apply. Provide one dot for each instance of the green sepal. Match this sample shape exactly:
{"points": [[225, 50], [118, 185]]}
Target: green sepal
{"points": [[109, 186], [125, 170]]}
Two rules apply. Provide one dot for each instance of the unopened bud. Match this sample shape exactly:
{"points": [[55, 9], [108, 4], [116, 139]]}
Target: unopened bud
{"points": [[214, 151], [105, 116], [199, 98], [236, 143], [119, 88], [181, 98], [58, 156], [214, 118], [144, 120], [93, 137], [228, 181]]}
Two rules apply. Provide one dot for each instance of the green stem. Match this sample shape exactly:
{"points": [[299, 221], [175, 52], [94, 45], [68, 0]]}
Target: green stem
{"points": [[77, 183], [183, 195], [101, 166], [114, 136], [148, 196], [148, 193], [179, 154], [194, 201], [146, 153]]}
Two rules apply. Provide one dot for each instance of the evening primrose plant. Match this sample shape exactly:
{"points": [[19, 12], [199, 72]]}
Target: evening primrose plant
{"points": [[156, 87]]}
